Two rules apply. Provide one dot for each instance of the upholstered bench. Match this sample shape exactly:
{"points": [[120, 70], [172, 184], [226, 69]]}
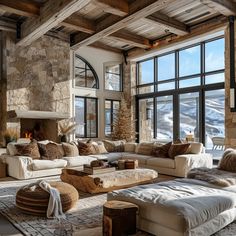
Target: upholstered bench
{"points": [[179, 207], [35, 201]]}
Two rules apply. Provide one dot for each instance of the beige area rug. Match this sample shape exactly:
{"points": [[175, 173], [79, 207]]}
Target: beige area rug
{"points": [[84, 220]]}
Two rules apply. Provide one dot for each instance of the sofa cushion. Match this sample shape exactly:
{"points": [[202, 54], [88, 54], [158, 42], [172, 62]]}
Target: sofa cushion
{"points": [[51, 150], [114, 146], [195, 148], [70, 149], [130, 147], [113, 156], [48, 164], [145, 148], [27, 149], [178, 149], [228, 160], [142, 159], [161, 162], [11, 149], [86, 149], [78, 161], [161, 151], [99, 147]]}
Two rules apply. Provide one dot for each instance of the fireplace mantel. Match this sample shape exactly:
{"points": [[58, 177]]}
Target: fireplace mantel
{"points": [[48, 115]]}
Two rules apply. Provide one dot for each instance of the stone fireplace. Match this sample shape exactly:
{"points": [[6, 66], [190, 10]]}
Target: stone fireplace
{"points": [[39, 125]]}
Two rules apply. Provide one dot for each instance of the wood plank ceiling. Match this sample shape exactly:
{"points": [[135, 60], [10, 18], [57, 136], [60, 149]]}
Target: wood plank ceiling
{"points": [[119, 26]]}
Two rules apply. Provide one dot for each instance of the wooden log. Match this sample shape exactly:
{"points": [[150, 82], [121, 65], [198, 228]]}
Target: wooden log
{"points": [[3, 170], [119, 218]]}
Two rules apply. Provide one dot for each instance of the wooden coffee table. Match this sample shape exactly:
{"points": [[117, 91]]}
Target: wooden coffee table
{"points": [[108, 181]]}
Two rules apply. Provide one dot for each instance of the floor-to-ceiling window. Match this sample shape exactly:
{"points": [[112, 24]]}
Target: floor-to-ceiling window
{"points": [[186, 90], [86, 117], [111, 111]]}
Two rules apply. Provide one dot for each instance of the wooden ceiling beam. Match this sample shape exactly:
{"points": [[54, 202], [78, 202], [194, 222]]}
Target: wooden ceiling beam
{"points": [[7, 26], [105, 47], [225, 7], [170, 24], [137, 9], [22, 8], [79, 23], [211, 26], [52, 13], [119, 8], [128, 38]]}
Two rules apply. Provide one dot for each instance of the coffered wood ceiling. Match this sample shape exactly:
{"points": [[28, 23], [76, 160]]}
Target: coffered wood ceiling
{"points": [[123, 25]]}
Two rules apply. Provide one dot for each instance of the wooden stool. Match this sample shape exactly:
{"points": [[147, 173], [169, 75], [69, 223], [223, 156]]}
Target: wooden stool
{"points": [[119, 218]]}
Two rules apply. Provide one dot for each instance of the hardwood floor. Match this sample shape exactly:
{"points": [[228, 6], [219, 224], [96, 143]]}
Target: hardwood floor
{"points": [[6, 228]]}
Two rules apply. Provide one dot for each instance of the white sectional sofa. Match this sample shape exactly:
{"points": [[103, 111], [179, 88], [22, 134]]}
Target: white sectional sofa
{"points": [[24, 167]]}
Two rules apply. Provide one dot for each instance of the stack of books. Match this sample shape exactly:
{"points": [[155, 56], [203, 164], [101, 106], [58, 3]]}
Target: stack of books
{"points": [[97, 170]]}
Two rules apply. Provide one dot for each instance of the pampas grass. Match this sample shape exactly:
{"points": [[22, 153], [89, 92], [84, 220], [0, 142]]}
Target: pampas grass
{"points": [[66, 126], [11, 133]]}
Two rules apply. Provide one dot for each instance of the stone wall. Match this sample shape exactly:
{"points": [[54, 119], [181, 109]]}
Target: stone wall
{"points": [[3, 91], [129, 87], [38, 75]]}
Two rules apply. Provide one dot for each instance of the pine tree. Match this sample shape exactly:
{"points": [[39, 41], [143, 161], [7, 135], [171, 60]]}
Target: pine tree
{"points": [[123, 126]]}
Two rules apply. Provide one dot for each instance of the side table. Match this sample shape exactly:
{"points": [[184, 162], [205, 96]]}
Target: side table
{"points": [[119, 218]]}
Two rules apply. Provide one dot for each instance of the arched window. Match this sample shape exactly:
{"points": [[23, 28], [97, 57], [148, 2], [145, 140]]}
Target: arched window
{"points": [[84, 74]]}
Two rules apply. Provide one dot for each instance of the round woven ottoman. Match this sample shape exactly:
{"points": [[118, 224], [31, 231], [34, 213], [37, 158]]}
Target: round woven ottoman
{"points": [[35, 202]]}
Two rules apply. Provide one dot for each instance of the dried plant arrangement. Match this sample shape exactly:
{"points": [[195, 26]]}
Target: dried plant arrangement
{"points": [[66, 126], [10, 135]]}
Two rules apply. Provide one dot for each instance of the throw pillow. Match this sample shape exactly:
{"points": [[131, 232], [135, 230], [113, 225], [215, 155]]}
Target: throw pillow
{"points": [[228, 160], [51, 151], [28, 149], [178, 149], [114, 146], [162, 151], [70, 149], [86, 148], [145, 148], [99, 147]]}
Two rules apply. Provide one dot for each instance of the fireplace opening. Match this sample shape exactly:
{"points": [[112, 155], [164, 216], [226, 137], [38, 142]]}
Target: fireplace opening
{"points": [[28, 135], [39, 125], [39, 129], [36, 133]]}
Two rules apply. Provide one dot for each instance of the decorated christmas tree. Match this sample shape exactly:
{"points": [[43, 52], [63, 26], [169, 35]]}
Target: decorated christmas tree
{"points": [[123, 125]]}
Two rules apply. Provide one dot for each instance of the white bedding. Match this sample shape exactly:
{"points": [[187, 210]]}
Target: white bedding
{"points": [[181, 205]]}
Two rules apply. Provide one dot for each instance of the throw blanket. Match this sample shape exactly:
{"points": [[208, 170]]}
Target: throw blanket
{"points": [[54, 203], [213, 176]]}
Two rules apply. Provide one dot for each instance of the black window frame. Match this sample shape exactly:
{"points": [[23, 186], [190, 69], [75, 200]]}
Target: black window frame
{"points": [[87, 64], [202, 88], [112, 117], [85, 117], [120, 75]]}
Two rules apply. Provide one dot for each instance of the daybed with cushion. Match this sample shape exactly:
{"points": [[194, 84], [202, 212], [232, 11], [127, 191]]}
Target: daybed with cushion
{"points": [[180, 208], [26, 162], [200, 206]]}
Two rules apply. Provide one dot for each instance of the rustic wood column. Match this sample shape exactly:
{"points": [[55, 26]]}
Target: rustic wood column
{"points": [[3, 88]]}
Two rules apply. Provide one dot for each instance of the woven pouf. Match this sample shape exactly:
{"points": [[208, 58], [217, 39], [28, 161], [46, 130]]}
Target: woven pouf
{"points": [[35, 201]]}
